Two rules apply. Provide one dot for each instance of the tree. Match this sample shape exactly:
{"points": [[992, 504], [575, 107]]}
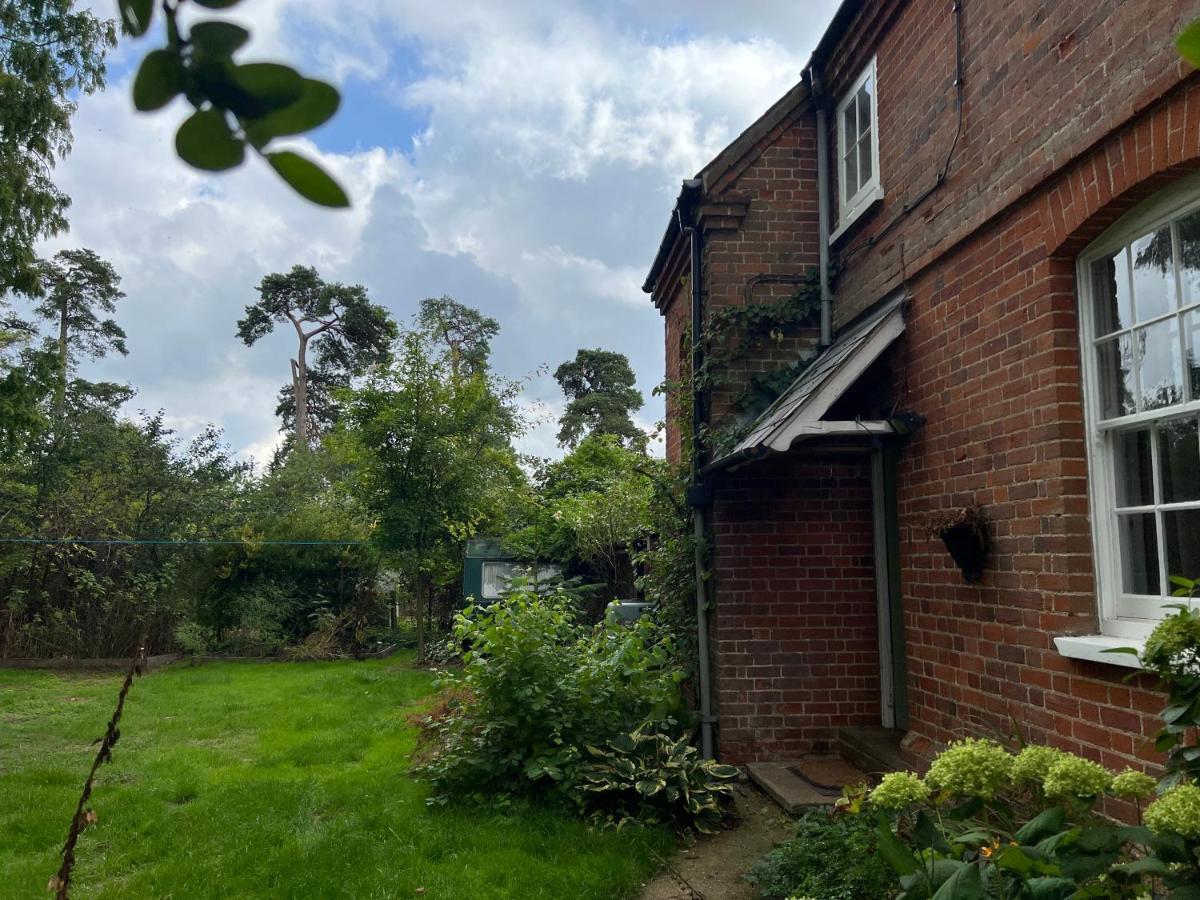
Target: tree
{"points": [[465, 332], [49, 55], [76, 288], [347, 331], [433, 456], [599, 386]]}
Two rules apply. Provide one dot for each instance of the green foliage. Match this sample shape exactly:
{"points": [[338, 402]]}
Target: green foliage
{"points": [[193, 638], [348, 333], [1172, 652], [237, 106], [593, 511], [1188, 43], [545, 705], [50, 54], [833, 857], [735, 332], [465, 333], [432, 454], [1027, 827], [600, 392], [652, 778]]}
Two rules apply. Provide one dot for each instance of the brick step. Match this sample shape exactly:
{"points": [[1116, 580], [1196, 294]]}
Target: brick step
{"points": [[875, 750]]}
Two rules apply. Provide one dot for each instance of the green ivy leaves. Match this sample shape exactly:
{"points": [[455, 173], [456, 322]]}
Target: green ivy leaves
{"points": [[1188, 43], [237, 105]]}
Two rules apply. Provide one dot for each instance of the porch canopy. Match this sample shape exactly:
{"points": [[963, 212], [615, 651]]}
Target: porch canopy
{"points": [[799, 413]]}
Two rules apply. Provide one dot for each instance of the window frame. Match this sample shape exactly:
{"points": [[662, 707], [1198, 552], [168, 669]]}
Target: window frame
{"points": [[1170, 204], [850, 208]]}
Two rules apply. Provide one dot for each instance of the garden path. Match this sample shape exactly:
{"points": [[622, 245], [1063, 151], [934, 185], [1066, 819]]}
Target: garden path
{"points": [[716, 866]]}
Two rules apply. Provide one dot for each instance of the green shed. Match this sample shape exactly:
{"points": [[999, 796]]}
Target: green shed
{"points": [[487, 569]]}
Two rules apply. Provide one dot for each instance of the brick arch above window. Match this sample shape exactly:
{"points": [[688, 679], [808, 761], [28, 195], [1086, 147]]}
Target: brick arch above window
{"points": [[1117, 174]]}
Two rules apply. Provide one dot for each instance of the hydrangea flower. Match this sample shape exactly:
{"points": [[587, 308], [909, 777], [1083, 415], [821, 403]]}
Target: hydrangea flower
{"points": [[971, 768], [1173, 647], [1133, 784], [899, 790], [1074, 776], [1031, 764], [1178, 810]]}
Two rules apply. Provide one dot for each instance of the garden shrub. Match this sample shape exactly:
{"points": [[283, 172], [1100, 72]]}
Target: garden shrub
{"points": [[650, 777], [543, 702], [834, 857]]}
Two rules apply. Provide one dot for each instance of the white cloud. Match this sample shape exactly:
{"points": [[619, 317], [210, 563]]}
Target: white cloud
{"points": [[554, 137]]}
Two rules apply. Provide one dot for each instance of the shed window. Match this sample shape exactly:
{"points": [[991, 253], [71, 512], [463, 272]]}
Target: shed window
{"points": [[858, 147], [496, 576], [1140, 327]]}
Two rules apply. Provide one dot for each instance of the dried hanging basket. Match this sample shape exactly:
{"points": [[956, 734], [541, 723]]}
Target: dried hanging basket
{"points": [[965, 534]]}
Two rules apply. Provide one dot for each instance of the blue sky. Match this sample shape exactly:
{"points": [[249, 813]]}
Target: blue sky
{"points": [[519, 156]]}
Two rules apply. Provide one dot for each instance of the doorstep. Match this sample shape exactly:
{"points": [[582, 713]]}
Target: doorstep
{"points": [[806, 783], [877, 750]]}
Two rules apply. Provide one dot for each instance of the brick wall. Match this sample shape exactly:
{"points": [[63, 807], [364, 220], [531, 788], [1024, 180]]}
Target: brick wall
{"points": [[1075, 112], [1044, 81], [794, 633], [991, 356]]}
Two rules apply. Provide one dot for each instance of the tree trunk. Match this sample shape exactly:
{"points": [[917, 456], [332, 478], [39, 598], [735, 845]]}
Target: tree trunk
{"points": [[300, 393]]}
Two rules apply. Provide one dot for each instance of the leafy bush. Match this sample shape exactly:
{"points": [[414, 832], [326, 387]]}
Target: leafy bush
{"points": [[193, 638], [834, 857], [543, 705], [649, 777], [960, 832]]}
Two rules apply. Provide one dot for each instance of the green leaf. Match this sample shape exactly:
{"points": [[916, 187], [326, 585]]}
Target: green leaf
{"points": [[308, 179], [1047, 822], [315, 106], [271, 85], [159, 80], [216, 38], [927, 835], [216, 4], [965, 884], [1188, 43], [894, 853], [1147, 865], [136, 15], [205, 141], [1130, 650]]}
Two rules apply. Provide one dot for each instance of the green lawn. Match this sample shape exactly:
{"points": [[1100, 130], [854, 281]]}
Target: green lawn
{"points": [[270, 780]]}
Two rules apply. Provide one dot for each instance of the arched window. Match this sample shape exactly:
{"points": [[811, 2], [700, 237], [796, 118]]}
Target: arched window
{"points": [[1139, 295]]}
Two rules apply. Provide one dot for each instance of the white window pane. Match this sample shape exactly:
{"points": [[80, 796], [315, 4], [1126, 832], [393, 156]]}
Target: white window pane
{"points": [[1153, 275], [1139, 553], [1181, 530], [1161, 364], [1191, 332], [850, 172], [865, 165], [495, 578], [1188, 231], [1133, 469], [1179, 460], [1116, 377], [849, 127], [1110, 293], [864, 106]]}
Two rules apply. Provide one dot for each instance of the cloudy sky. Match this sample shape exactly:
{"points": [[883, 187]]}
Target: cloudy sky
{"points": [[521, 156]]}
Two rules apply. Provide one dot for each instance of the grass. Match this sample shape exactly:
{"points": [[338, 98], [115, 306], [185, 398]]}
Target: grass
{"points": [[270, 780]]}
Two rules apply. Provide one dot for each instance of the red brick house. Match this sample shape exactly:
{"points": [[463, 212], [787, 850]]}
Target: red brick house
{"points": [[1007, 200]]}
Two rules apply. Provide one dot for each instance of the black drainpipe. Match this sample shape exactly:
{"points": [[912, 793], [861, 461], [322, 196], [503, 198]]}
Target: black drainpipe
{"points": [[698, 492]]}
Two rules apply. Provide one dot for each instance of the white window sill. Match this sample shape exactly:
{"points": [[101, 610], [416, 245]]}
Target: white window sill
{"points": [[848, 217], [1094, 647]]}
